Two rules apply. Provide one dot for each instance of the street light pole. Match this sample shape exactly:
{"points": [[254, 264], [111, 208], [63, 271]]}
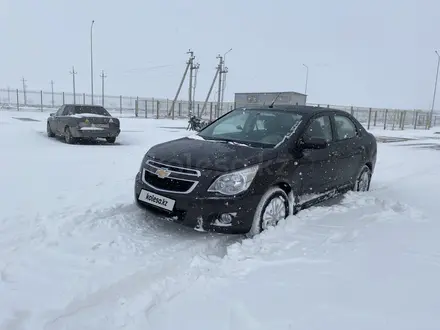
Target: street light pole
{"points": [[307, 77], [435, 91], [91, 56]]}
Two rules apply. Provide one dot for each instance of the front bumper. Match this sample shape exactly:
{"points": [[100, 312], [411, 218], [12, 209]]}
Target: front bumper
{"points": [[203, 214], [95, 133]]}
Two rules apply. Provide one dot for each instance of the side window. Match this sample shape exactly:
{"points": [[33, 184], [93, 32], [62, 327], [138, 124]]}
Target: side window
{"points": [[60, 111], [319, 128], [345, 128], [233, 124], [68, 110]]}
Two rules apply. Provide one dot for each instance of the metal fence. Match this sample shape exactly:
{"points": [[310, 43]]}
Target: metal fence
{"points": [[139, 106], [162, 108]]}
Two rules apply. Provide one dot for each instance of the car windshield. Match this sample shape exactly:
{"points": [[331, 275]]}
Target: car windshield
{"points": [[91, 109], [255, 127]]}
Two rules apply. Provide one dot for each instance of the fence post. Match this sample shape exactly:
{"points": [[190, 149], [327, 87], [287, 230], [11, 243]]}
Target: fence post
{"points": [[18, 101], [152, 108], [41, 100], [416, 116], [435, 120], [403, 120], [210, 112], [157, 109], [180, 109], [136, 107], [173, 112], [84, 98], [385, 119], [120, 104], [351, 110], [375, 118], [369, 118], [64, 100], [198, 110]]}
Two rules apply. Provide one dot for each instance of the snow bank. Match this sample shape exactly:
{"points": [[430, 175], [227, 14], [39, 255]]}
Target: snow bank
{"points": [[75, 253]]}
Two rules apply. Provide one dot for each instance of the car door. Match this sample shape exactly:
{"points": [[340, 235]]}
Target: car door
{"points": [[62, 119], [54, 122], [317, 166], [349, 149]]}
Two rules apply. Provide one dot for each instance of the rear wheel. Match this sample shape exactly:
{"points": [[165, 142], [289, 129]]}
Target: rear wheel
{"points": [[273, 207], [363, 179], [49, 131], [111, 139], [68, 136]]}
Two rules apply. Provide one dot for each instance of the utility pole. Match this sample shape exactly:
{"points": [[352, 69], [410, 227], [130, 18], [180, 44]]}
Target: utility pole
{"points": [[24, 90], [51, 87], [73, 73], [91, 56], [224, 76], [307, 77], [222, 71], [191, 88], [190, 66], [217, 73], [103, 76], [9, 95], [435, 92]]}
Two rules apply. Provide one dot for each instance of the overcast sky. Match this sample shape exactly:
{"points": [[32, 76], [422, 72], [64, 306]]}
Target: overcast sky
{"points": [[377, 53]]}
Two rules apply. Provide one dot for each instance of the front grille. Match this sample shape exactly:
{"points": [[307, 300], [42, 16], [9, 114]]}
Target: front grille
{"points": [[173, 168], [168, 184]]}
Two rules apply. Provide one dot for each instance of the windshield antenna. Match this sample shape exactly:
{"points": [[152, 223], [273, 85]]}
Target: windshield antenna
{"points": [[274, 100]]}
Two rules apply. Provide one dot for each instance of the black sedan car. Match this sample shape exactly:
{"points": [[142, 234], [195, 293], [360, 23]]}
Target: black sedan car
{"points": [[85, 122], [253, 167]]}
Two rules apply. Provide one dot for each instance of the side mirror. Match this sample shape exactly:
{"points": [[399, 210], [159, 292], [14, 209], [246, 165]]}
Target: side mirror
{"points": [[239, 127], [313, 143], [52, 114]]}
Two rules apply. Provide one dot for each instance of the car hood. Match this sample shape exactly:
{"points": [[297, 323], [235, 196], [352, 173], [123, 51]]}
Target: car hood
{"points": [[209, 154]]}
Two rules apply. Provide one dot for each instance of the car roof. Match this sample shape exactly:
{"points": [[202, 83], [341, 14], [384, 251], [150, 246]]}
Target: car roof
{"points": [[84, 105], [302, 109]]}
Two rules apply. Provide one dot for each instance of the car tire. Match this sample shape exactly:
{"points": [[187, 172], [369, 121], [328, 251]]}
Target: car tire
{"points": [[68, 136], [363, 180], [275, 200], [49, 131], [111, 139]]}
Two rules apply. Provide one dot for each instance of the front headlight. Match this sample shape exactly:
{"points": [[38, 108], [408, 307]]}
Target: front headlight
{"points": [[235, 182]]}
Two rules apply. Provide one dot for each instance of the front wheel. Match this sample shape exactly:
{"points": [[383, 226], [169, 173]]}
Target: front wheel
{"points": [[111, 139], [363, 179], [49, 131], [273, 207]]}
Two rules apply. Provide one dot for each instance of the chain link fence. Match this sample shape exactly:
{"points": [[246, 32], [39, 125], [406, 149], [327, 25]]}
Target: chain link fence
{"points": [[162, 108]]}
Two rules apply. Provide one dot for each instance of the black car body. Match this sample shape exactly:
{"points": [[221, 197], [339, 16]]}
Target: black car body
{"points": [[226, 176], [74, 122]]}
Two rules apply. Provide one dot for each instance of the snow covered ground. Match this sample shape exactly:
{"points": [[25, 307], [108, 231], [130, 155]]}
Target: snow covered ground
{"points": [[76, 253]]}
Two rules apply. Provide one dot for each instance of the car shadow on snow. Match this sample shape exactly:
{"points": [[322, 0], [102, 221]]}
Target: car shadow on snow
{"points": [[95, 142]]}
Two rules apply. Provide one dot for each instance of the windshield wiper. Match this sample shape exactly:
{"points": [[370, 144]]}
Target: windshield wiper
{"points": [[225, 140]]}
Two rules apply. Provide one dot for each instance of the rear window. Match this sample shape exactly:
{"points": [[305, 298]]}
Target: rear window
{"points": [[90, 109]]}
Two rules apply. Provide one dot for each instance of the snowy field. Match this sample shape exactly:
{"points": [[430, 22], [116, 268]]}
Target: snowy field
{"points": [[76, 253]]}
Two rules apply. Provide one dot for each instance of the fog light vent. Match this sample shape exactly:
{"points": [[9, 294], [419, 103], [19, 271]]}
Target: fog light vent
{"points": [[226, 218]]}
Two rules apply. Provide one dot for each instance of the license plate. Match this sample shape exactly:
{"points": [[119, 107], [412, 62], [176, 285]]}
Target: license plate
{"points": [[157, 200], [100, 125]]}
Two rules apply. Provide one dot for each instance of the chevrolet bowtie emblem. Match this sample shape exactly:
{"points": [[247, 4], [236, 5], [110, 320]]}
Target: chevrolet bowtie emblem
{"points": [[162, 173]]}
